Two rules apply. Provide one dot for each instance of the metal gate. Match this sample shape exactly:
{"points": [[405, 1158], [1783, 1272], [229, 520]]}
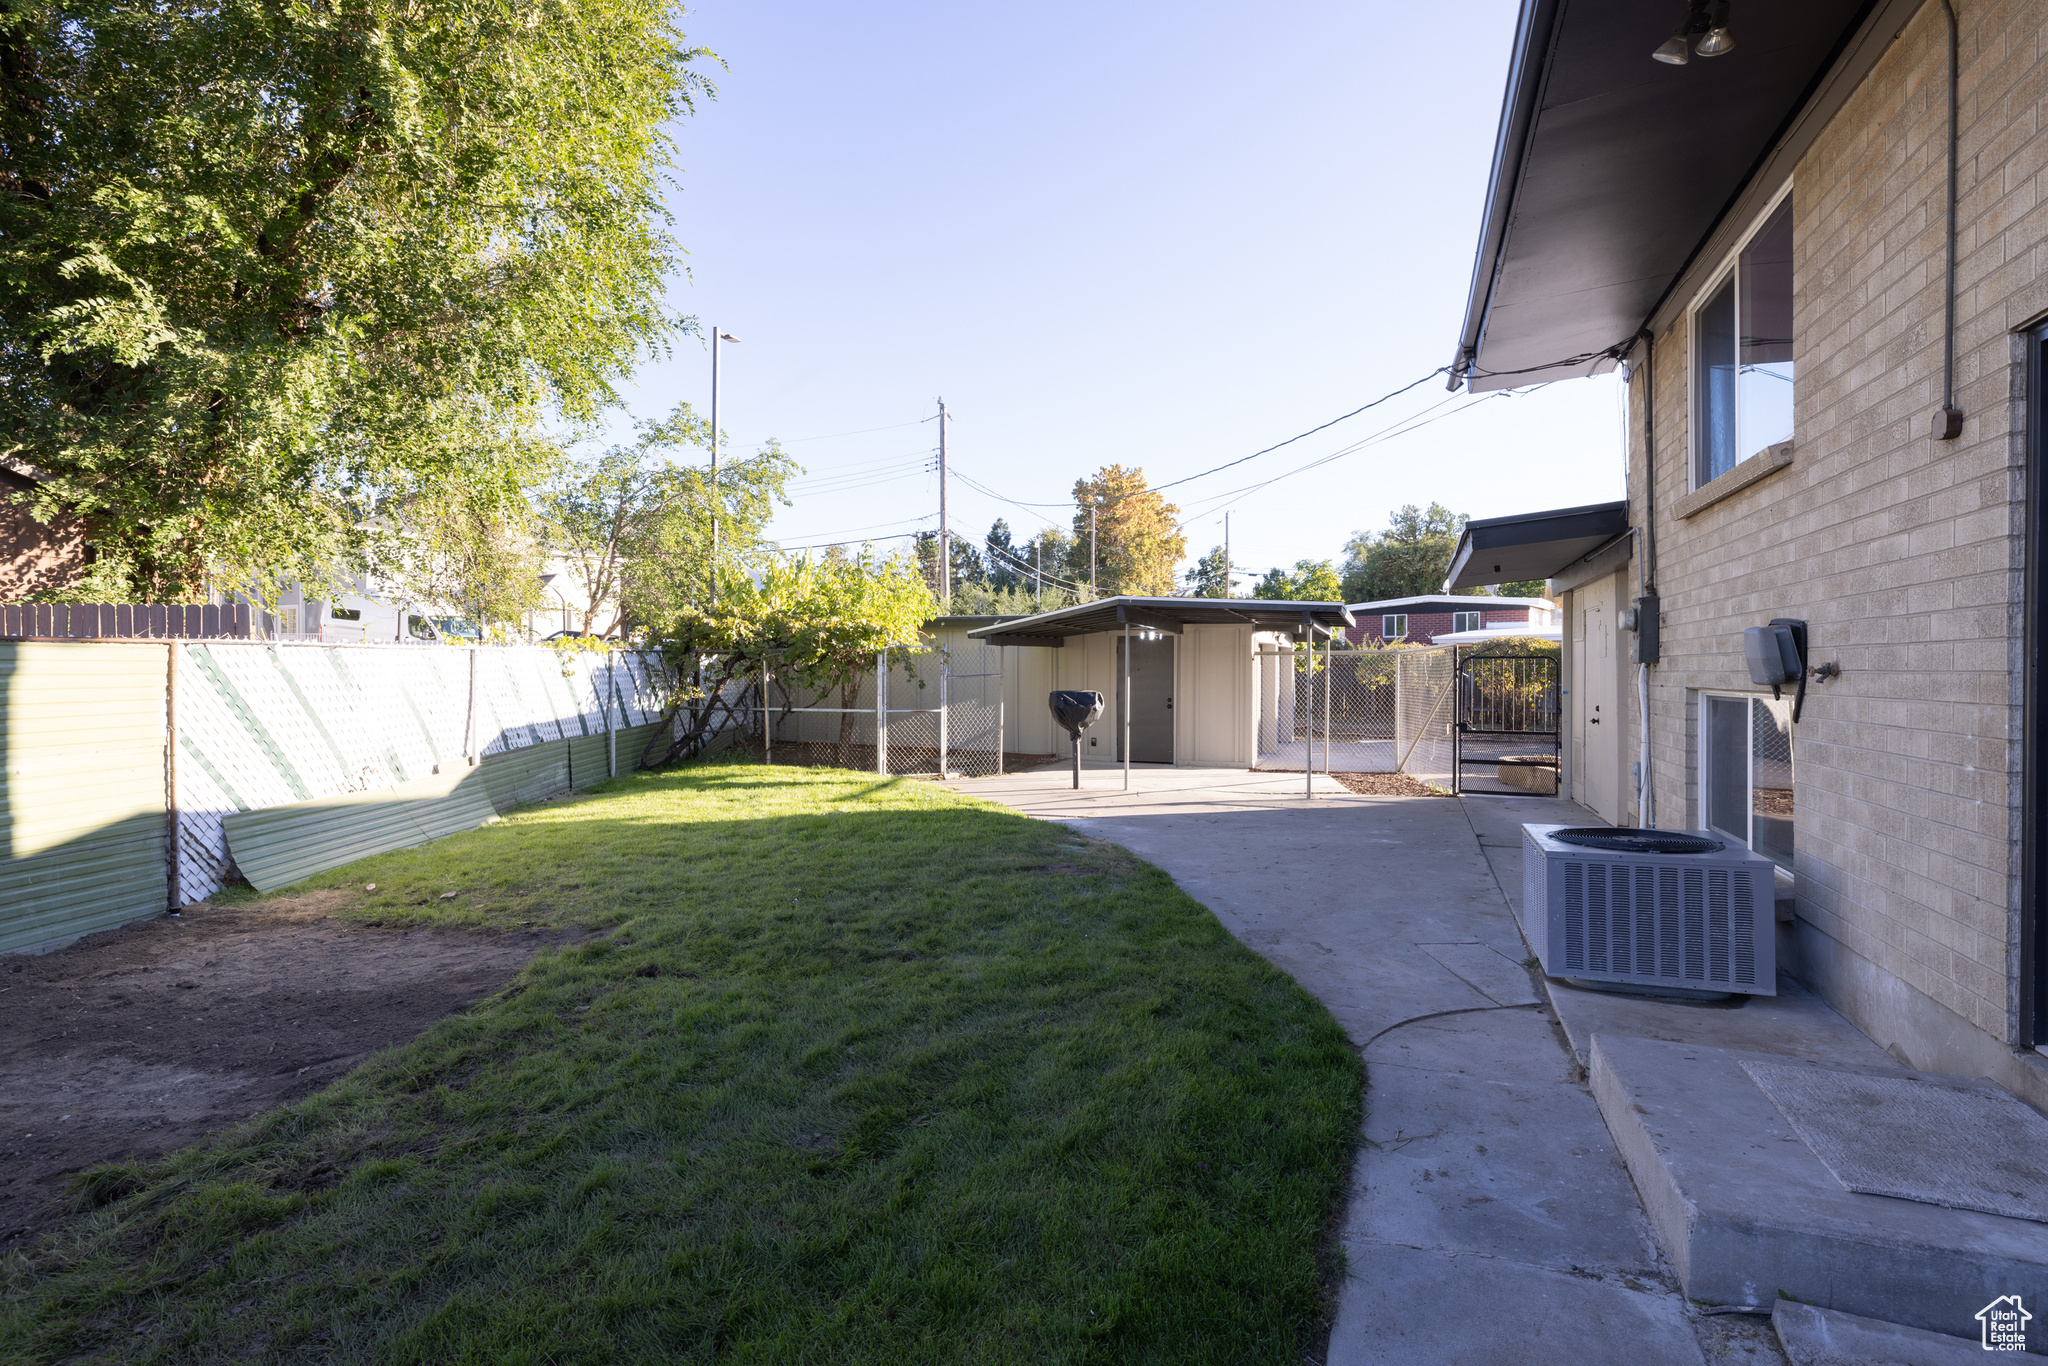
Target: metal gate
{"points": [[1508, 737]]}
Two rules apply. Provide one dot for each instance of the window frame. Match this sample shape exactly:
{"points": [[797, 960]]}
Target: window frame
{"points": [[1722, 274], [1478, 620], [1703, 764], [1386, 628]]}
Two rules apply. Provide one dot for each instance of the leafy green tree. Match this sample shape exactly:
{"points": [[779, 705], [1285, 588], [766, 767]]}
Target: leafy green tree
{"points": [[1137, 534], [266, 269], [968, 567], [458, 549], [1207, 578], [1407, 560], [1522, 588], [817, 623], [1002, 558], [634, 522], [1311, 581]]}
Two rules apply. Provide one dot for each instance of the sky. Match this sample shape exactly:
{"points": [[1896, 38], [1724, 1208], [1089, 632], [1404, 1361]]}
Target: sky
{"points": [[1157, 235]]}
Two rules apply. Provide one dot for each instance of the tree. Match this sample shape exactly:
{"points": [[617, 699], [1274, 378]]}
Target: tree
{"points": [[1522, 588], [1408, 560], [1003, 561], [817, 623], [1311, 581], [457, 549], [1137, 537], [1206, 579], [266, 269], [967, 565], [635, 524]]}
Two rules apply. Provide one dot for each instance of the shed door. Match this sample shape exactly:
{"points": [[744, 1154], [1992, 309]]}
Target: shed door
{"points": [[1598, 696], [1151, 699]]}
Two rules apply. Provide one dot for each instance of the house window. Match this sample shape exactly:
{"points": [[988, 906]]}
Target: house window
{"points": [[1742, 352], [288, 621], [1466, 621], [1394, 627], [1746, 773]]}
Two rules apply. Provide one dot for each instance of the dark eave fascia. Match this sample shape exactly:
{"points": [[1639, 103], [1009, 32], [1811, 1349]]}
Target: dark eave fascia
{"points": [[1534, 30]]}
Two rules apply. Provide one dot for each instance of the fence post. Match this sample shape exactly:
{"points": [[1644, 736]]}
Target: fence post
{"points": [[882, 712], [767, 713], [611, 730], [945, 677], [469, 746], [171, 769]]}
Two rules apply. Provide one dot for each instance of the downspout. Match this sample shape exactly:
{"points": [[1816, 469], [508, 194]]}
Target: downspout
{"points": [[1948, 423], [1648, 637]]}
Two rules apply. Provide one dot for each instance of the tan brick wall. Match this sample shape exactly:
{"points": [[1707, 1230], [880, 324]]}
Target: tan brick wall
{"points": [[1901, 552]]}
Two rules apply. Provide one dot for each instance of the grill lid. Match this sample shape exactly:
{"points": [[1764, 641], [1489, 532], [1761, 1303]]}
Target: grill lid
{"points": [[1628, 841]]}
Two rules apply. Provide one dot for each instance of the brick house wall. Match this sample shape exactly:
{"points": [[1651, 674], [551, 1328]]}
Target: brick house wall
{"points": [[1902, 553], [1424, 627]]}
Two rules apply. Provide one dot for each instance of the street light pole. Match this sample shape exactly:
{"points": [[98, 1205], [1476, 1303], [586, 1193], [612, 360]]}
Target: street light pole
{"points": [[716, 337], [945, 536]]}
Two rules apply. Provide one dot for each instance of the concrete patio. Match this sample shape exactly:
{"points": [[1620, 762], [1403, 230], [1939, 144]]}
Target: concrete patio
{"points": [[1489, 1179]]}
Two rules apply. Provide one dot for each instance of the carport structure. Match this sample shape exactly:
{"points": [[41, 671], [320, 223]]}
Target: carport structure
{"points": [[1181, 675]]}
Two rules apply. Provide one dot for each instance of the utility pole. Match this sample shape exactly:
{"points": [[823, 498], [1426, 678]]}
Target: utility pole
{"points": [[1038, 573], [1091, 550], [945, 538], [1226, 554], [716, 337]]}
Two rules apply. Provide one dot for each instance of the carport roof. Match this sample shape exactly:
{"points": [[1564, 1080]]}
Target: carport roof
{"points": [[1534, 545], [1162, 614]]}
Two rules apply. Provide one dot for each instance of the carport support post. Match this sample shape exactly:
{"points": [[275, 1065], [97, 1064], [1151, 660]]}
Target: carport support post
{"points": [[882, 712], [1308, 730], [1329, 681], [1126, 717]]}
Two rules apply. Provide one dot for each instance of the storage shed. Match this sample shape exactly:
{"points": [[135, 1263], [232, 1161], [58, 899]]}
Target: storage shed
{"points": [[1191, 667]]}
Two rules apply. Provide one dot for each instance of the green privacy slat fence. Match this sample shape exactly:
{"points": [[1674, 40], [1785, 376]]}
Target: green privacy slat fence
{"points": [[312, 755], [264, 726], [282, 844], [82, 816]]}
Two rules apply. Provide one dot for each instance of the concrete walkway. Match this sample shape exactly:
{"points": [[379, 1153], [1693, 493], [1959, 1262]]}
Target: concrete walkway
{"points": [[1490, 1219]]}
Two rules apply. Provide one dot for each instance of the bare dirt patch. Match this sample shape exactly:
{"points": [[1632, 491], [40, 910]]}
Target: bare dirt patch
{"points": [[138, 1041], [1387, 785]]}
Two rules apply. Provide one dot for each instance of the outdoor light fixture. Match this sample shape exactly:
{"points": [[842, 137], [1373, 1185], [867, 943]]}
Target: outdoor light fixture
{"points": [[1709, 22]]}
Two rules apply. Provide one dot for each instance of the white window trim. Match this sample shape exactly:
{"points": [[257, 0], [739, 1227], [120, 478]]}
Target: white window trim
{"points": [[1387, 634], [1478, 620], [1692, 350]]}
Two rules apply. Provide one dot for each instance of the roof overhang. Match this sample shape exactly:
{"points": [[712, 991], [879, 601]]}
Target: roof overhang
{"points": [[1533, 546], [1168, 615], [1614, 175]]}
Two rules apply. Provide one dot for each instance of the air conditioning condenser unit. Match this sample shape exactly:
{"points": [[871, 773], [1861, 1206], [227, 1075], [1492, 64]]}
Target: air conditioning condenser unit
{"points": [[1676, 909]]}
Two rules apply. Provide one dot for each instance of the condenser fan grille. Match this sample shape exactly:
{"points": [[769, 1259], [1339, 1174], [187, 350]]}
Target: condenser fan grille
{"points": [[1625, 841]]}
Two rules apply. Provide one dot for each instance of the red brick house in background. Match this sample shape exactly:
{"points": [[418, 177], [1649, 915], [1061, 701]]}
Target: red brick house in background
{"points": [[1420, 621], [35, 557]]}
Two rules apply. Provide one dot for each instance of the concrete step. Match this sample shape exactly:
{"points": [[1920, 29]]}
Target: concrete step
{"points": [[1748, 1215], [1822, 1337]]}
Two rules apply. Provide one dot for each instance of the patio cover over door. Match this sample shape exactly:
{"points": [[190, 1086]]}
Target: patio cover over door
{"points": [[1151, 699]]}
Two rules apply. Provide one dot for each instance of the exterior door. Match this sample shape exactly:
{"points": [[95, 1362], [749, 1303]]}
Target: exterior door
{"points": [[1597, 712], [1151, 699]]}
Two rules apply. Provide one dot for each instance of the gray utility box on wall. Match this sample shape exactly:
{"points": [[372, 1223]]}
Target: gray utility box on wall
{"points": [[1647, 911]]}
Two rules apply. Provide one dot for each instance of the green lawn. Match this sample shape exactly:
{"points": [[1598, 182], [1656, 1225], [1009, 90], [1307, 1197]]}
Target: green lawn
{"points": [[857, 1071]]}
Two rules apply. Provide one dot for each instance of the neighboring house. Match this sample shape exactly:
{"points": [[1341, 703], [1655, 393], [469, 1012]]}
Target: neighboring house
{"points": [[35, 557], [1419, 621], [1835, 415]]}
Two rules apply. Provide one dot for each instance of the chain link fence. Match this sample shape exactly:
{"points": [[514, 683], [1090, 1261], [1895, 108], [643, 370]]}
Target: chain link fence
{"points": [[834, 729], [1357, 711]]}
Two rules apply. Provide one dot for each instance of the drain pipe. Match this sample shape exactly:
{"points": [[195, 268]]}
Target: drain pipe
{"points": [[1948, 423], [1649, 635]]}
